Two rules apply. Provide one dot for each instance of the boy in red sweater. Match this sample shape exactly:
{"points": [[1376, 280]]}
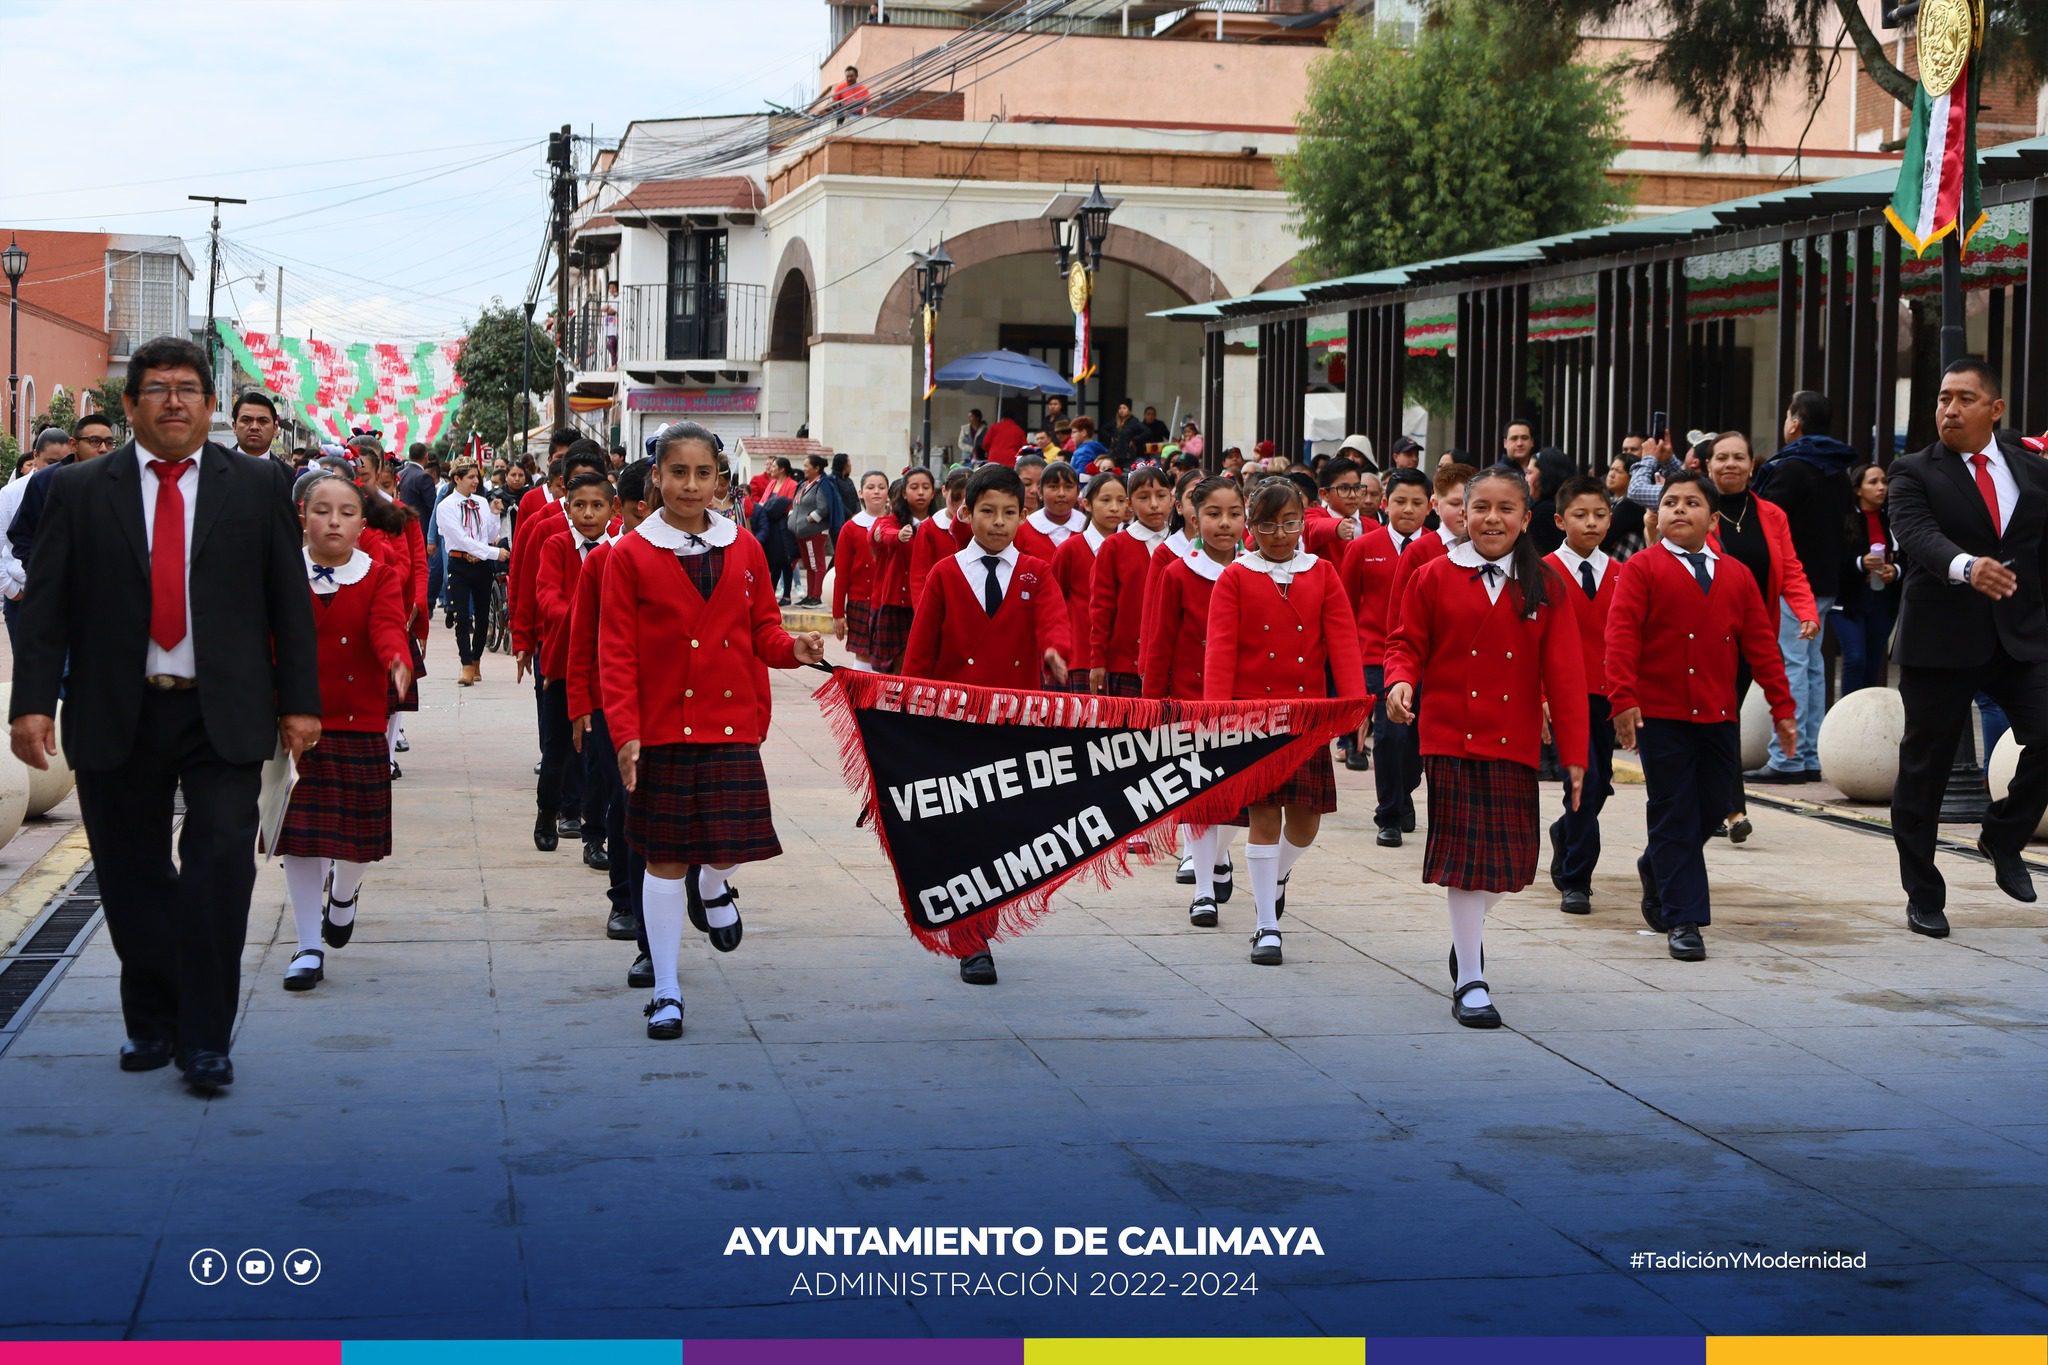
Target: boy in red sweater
{"points": [[589, 500], [990, 617], [1583, 514], [1681, 613]]}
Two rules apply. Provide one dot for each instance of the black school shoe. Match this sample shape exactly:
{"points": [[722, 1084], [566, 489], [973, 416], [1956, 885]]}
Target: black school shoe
{"points": [[978, 970], [1202, 914], [595, 858], [297, 978], [1389, 836], [1685, 943], [641, 973], [622, 924], [667, 1028], [545, 837], [1653, 904], [1221, 879], [332, 934], [1481, 1016], [1266, 947], [569, 826]]}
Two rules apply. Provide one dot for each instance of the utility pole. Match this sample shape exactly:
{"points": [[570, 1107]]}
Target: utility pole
{"points": [[561, 158], [526, 383], [278, 331], [213, 273]]}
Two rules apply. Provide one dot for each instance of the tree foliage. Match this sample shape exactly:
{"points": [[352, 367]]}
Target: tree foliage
{"points": [[1487, 132], [490, 368], [1722, 60], [62, 412], [106, 400]]}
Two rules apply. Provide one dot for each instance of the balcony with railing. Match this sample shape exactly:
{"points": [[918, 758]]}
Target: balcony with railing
{"points": [[666, 326]]}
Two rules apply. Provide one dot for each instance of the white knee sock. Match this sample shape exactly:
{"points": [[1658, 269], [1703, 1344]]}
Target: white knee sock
{"points": [[1202, 848], [1290, 853], [1468, 924], [711, 883], [1262, 864], [303, 879], [348, 880], [391, 733], [663, 908]]}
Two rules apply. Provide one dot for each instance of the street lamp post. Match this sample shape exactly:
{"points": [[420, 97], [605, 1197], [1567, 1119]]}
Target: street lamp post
{"points": [[931, 270], [15, 261], [1078, 228]]}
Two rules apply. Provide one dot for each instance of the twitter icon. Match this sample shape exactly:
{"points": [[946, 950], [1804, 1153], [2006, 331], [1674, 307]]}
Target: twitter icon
{"points": [[302, 1267]]}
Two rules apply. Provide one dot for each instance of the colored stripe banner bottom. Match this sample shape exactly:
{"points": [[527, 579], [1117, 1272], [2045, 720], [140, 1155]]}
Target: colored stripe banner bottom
{"points": [[1080, 1351]]}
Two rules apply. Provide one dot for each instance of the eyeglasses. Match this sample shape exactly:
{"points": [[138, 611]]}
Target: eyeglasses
{"points": [[1347, 488], [1292, 526], [97, 442], [184, 393]]}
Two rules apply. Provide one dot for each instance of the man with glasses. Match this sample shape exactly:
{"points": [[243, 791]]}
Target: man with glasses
{"points": [[169, 604], [21, 502]]}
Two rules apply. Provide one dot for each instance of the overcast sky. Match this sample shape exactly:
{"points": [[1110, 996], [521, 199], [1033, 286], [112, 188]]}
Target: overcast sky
{"points": [[393, 154]]}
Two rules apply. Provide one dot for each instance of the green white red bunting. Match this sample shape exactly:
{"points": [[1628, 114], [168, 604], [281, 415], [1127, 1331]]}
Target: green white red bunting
{"points": [[410, 393]]}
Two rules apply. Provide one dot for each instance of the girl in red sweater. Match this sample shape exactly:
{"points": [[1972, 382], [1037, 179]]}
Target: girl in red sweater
{"points": [[853, 559], [1123, 576], [687, 628], [910, 502], [1175, 652], [339, 819], [1075, 564], [1280, 626], [1489, 635], [941, 536]]}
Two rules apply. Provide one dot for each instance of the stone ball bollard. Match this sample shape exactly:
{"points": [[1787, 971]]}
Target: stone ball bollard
{"points": [[1859, 743], [1756, 730]]}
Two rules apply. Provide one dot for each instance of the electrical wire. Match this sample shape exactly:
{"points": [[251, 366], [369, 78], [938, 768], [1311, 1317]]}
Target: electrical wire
{"points": [[266, 170]]}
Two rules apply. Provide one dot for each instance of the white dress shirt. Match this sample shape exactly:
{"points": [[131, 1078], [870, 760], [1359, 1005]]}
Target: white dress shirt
{"points": [[976, 572], [1447, 536], [1466, 556], [2008, 490], [1572, 559], [13, 573], [179, 661], [1713, 560], [456, 536], [1403, 543]]}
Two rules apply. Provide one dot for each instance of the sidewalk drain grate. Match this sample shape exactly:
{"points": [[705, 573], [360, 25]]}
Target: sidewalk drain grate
{"points": [[20, 978], [32, 968], [61, 927]]}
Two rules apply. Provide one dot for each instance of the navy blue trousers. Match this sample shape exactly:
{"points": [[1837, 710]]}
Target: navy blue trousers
{"points": [[1576, 833], [1396, 756], [1688, 770]]}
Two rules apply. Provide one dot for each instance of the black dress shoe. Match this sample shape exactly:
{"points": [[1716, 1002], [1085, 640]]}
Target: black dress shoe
{"points": [[145, 1054], [1408, 820], [1388, 837], [622, 924], [1770, 776], [725, 938], [641, 973], [1720, 831], [1932, 923], [332, 934], [1266, 948], [1357, 761], [208, 1073], [2011, 870], [1686, 944], [1813, 775], [1739, 829], [1653, 904], [667, 1028], [978, 970], [570, 826], [1576, 903], [1473, 1016], [1222, 881], [544, 836], [305, 976], [1202, 914], [595, 858], [1184, 875]]}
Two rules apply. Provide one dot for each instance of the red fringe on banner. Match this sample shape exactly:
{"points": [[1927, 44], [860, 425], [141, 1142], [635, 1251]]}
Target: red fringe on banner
{"points": [[1316, 721]]}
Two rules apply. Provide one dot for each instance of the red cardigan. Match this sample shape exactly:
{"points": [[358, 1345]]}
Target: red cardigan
{"points": [[1592, 616], [361, 628], [1176, 649], [1488, 669], [1788, 579], [1124, 573], [931, 544], [1264, 645], [853, 562], [527, 538], [1032, 541], [954, 639], [676, 669], [1368, 570], [408, 557], [555, 584], [1319, 533], [584, 614], [1671, 648], [1427, 546], [892, 563], [1074, 567]]}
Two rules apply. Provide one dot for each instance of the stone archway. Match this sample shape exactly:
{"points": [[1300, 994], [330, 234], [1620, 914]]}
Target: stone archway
{"points": [[1283, 276], [793, 313], [1027, 236]]}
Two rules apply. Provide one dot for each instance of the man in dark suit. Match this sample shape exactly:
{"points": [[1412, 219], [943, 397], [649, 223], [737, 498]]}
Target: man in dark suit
{"points": [[1972, 525], [169, 575]]}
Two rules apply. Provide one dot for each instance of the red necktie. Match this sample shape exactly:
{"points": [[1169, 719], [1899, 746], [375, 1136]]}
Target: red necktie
{"points": [[167, 556], [1988, 489]]}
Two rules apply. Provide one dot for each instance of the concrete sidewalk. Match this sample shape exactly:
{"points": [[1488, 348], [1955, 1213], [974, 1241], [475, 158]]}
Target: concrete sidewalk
{"points": [[468, 1126]]}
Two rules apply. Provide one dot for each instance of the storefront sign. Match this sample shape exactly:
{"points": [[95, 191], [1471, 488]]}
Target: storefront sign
{"points": [[686, 402]]}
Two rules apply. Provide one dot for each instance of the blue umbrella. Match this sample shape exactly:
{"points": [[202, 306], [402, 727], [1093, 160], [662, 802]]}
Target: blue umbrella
{"points": [[1000, 372]]}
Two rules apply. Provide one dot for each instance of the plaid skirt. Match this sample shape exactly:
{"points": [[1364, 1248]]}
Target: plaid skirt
{"points": [[1122, 685], [701, 803], [860, 628], [1483, 821], [341, 807], [888, 635], [1312, 786]]}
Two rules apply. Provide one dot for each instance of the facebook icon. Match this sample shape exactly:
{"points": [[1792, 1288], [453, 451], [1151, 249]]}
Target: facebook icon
{"points": [[208, 1266]]}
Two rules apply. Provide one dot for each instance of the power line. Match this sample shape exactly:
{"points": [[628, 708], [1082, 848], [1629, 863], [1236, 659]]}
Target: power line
{"points": [[265, 170]]}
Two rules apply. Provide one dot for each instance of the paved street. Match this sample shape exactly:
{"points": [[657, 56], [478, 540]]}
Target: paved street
{"points": [[469, 1128]]}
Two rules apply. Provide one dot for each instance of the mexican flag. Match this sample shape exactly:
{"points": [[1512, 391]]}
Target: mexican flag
{"points": [[1938, 191]]}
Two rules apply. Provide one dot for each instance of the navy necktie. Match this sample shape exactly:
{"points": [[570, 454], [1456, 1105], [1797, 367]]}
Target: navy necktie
{"points": [[992, 590], [1586, 580], [1698, 560]]}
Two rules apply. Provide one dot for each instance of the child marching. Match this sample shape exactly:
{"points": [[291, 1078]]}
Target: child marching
{"points": [[1124, 571], [1584, 515], [687, 629], [1175, 653], [588, 497], [853, 580], [1044, 531], [941, 536], [1279, 626], [1075, 564], [991, 617], [910, 502], [1487, 636], [339, 819]]}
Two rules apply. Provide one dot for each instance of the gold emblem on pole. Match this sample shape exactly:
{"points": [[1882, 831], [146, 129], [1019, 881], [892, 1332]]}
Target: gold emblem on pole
{"points": [[1080, 285], [1947, 34]]}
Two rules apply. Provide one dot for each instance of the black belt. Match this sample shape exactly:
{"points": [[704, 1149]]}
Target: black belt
{"points": [[165, 682]]}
